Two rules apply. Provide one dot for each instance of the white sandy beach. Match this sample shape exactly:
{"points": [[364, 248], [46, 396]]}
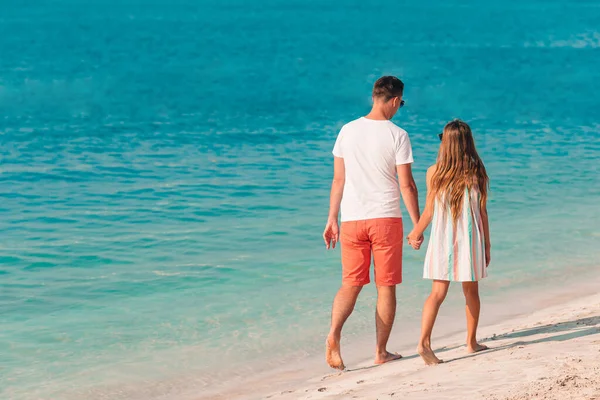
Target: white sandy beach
{"points": [[550, 353]]}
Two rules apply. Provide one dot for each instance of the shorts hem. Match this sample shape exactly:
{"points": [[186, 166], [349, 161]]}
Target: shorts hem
{"points": [[355, 283], [394, 283]]}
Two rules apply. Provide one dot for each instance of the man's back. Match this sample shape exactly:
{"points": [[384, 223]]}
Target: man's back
{"points": [[371, 150]]}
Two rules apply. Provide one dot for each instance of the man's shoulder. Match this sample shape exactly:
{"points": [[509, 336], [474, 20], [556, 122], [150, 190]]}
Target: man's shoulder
{"points": [[352, 124], [360, 124], [398, 130]]}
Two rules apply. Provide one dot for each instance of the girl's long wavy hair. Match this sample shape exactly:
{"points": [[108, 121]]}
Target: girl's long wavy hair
{"points": [[458, 167]]}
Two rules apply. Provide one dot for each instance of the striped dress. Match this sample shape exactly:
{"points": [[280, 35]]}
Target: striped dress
{"points": [[456, 252]]}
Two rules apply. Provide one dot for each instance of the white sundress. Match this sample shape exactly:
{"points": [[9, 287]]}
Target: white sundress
{"points": [[456, 251]]}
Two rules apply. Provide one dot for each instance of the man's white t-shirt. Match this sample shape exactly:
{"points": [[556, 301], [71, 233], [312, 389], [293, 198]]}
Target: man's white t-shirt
{"points": [[371, 149]]}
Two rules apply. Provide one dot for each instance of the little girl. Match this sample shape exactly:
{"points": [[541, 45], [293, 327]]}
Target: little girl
{"points": [[459, 247]]}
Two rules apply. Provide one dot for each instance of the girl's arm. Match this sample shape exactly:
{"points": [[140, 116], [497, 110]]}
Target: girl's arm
{"points": [[416, 235], [486, 234]]}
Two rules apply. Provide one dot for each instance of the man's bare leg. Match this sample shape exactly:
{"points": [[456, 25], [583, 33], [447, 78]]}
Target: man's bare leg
{"points": [[471, 291], [343, 305], [384, 320], [439, 289]]}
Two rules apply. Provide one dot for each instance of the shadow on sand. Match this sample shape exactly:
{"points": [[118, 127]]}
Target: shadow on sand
{"points": [[568, 330]]}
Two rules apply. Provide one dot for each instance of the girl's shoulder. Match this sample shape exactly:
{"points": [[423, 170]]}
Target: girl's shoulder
{"points": [[431, 170]]}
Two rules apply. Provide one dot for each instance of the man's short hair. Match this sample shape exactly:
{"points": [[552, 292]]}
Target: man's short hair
{"points": [[388, 87]]}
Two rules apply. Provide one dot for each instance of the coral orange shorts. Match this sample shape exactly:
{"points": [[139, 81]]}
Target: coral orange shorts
{"points": [[383, 237]]}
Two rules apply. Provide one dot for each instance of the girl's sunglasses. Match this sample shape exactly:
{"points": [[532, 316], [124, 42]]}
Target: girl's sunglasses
{"points": [[440, 135]]}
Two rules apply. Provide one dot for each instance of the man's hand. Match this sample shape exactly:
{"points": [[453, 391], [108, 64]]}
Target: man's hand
{"points": [[331, 234], [415, 240]]}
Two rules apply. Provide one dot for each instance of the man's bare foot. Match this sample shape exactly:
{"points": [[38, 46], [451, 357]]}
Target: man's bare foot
{"points": [[428, 355], [332, 353], [386, 357], [476, 348]]}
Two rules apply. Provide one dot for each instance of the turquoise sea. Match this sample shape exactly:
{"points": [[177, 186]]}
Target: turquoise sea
{"points": [[165, 167]]}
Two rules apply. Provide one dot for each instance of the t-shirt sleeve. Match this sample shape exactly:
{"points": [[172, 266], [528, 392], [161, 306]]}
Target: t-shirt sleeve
{"points": [[337, 148], [404, 150]]}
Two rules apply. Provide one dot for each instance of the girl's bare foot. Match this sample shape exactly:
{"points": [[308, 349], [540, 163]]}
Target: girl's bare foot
{"points": [[428, 355], [476, 348], [333, 356], [386, 357]]}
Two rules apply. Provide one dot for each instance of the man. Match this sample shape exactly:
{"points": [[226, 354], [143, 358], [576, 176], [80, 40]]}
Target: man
{"points": [[372, 166]]}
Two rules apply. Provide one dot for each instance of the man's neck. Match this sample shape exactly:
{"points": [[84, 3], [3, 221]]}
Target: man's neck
{"points": [[377, 115]]}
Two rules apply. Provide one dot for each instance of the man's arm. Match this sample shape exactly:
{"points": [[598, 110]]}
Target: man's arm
{"points": [[408, 188], [415, 238], [331, 233]]}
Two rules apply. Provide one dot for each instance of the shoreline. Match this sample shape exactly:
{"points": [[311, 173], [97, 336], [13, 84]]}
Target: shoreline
{"points": [[557, 309]]}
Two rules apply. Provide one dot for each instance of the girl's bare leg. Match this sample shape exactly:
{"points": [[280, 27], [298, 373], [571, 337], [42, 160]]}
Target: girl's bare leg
{"points": [[439, 290], [471, 291]]}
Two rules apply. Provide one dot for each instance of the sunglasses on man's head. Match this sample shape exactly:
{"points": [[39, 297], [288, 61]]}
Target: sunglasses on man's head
{"points": [[401, 103]]}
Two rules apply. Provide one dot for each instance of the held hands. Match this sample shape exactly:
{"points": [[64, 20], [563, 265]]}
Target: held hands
{"points": [[331, 234], [415, 240]]}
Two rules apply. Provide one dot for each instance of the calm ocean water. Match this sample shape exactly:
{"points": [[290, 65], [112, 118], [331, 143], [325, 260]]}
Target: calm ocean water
{"points": [[164, 171]]}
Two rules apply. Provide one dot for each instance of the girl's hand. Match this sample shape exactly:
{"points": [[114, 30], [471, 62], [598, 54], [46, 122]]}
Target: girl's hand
{"points": [[415, 240], [488, 255]]}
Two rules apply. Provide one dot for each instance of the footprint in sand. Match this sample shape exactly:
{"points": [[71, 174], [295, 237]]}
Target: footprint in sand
{"points": [[331, 376]]}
